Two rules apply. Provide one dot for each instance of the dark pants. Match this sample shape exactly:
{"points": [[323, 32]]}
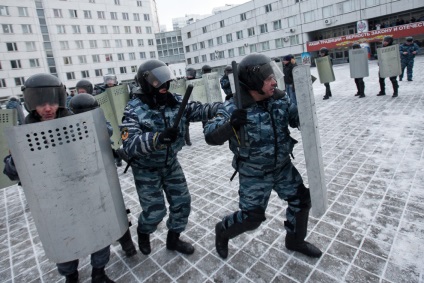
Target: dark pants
{"points": [[99, 259]]}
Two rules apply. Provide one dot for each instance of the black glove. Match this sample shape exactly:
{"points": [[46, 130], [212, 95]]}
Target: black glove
{"points": [[168, 136], [238, 118]]}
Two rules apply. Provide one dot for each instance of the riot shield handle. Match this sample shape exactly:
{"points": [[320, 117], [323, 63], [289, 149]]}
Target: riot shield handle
{"points": [[237, 99], [183, 105]]}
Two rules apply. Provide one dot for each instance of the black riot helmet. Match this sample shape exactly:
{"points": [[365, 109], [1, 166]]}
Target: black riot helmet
{"points": [[40, 89], [206, 69], [83, 102], [153, 74], [253, 70], [84, 86], [190, 73], [356, 46], [323, 51], [228, 70], [388, 39], [110, 79]]}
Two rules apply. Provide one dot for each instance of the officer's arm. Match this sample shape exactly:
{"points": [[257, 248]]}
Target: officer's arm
{"points": [[196, 111], [218, 130], [10, 169], [293, 116]]}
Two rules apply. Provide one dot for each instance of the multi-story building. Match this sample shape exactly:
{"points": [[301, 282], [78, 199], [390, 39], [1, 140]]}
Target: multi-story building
{"points": [[277, 28], [74, 40]]}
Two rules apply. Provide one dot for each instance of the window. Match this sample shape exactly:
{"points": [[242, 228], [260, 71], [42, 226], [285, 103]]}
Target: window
{"points": [[196, 59], [127, 29], [327, 11], [152, 54], [117, 2], [140, 42], [231, 52], [252, 48], [241, 51], [19, 81], [121, 57], [101, 15], [146, 17], [371, 3], [251, 31], [139, 3], [221, 23], [82, 59], [106, 43], [138, 30], [76, 29], [7, 28], [221, 55], [2, 83], [219, 40], [12, 46], [309, 16], [57, 13], [123, 70], [229, 37], [212, 56], [131, 56], [149, 30], [73, 14], [243, 17], [347, 6], [189, 61], [110, 70], [150, 42], [4, 11], [114, 15], [263, 28], [85, 74], [136, 16], [80, 44], [239, 34], [96, 58], [277, 25], [91, 1], [118, 43], [93, 43], [189, 35], [210, 43], [23, 11], [98, 72], [34, 63], [279, 43], [294, 39], [15, 64], [70, 76], [67, 60], [202, 45], [204, 29], [268, 8], [291, 21], [187, 48], [26, 29], [264, 45], [30, 46], [142, 55], [90, 29], [125, 16], [103, 29], [61, 29], [115, 29], [108, 57], [204, 58], [194, 46], [87, 14]]}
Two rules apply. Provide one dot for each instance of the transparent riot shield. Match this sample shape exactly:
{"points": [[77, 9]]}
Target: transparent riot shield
{"points": [[8, 118], [199, 90], [106, 105], [212, 87], [358, 63], [325, 69], [280, 81], [118, 97], [389, 61], [178, 86], [70, 182]]}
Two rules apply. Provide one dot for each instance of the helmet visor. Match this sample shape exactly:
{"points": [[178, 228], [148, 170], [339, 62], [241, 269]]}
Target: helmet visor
{"points": [[268, 69], [159, 76], [110, 79], [39, 96]]}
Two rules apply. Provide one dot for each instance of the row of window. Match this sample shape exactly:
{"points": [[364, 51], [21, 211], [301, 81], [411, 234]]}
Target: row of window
{"points": [[169, 40], [96, 58], [101, 15], [17, 64], [106, 43], [22, 11], [258, 47]]}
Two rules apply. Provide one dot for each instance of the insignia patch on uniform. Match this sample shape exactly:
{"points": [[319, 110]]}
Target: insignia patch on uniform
{"points": [[124, 134]]}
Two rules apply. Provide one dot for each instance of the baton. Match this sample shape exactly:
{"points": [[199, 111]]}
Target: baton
{"points": [[183, 105], [237, 98]]}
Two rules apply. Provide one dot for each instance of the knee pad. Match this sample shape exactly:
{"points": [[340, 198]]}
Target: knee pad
{"points": [[254, 218], [304, 196]]}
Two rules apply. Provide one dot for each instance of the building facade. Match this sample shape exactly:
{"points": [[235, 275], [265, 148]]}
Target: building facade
{"points": [[278, 28], [74, 40]]}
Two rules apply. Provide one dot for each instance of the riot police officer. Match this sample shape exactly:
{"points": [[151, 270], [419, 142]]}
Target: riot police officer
{"points": [[109, 80], [152, 140], [84, 86], [360, 85], [408, 50], [225, 82], [322, 53], [388, 41], [263, 163], [190, 73], [45, 99], [206, 69]]}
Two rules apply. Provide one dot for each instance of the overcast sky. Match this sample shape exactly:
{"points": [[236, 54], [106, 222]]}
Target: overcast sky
{"points": [[169, 9]]}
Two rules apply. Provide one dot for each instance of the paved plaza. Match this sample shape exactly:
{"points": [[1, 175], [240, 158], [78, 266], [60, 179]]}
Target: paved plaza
{"points": [[373, 230]]}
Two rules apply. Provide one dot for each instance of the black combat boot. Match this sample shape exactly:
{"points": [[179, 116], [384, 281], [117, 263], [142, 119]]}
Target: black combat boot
{"points": [[382, 87], [174, 243], [127, 244], [361, 89], [144, 243], [72, 278], [98, 275], [296, 241]]}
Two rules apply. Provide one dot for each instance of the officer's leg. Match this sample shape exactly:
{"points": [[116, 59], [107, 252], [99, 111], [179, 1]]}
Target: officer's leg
{"points": [[149, 189], [99, 260], [361, 87], [403, 66], [327, 91], [254, 194], [395, 86], [290, 188], [69, 269], [410, 68], [382, 85], [357, 87]]}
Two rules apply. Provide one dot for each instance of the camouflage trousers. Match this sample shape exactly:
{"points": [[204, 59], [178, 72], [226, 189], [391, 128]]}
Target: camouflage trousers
{"points": [[409, 65], [151, 185], [255, 191]]}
